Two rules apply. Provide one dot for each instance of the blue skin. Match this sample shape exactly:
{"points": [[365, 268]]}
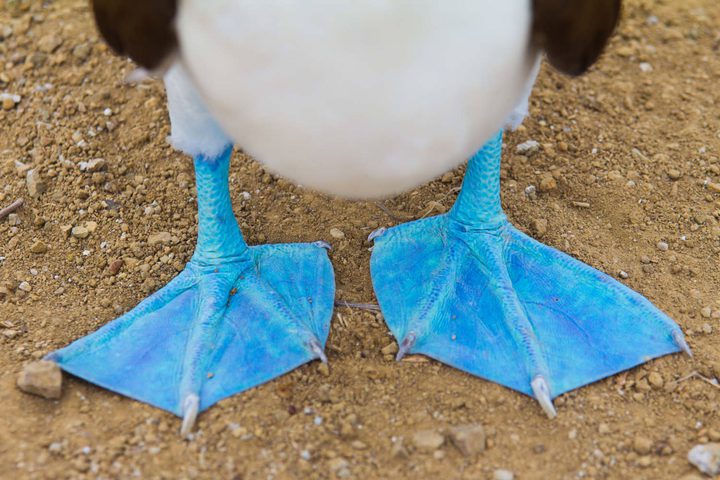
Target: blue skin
{"points": [[470, 290], [236, 317]]}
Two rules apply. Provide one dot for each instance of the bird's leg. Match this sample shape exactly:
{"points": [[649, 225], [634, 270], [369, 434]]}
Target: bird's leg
{"points": [[470, 290], [236, 317]]}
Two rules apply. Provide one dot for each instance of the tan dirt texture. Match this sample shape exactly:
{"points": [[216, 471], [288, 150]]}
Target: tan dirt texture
{"points": [[627, 178]]}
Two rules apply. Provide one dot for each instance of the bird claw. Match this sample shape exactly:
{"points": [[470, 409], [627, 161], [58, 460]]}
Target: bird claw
{"points": [[541, 390], [682, 343], [405, 346], [191, 407], [377, 233], [317, 349]]}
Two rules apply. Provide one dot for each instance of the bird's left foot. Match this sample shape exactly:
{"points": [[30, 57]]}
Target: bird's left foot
{"points": [[472, 291]]}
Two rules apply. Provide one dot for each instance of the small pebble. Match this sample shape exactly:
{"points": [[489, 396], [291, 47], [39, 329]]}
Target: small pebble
{"points": [[80, 232], [663, 246], [674, 174], [706, 458], [359, 445], [41, 378], [390, 349], [547, 183], [337, 463], [324, 369], [115, 266], [35, 184], [501, 474], [642, 445], [469, 439], [539, 227], [38, 247], [337, 233], [527, 148], [160, 238], [656, 380], [428, 440]]}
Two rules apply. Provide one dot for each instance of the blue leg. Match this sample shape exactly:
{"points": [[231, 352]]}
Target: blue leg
{"points": [[236, 317], [470, 290]]}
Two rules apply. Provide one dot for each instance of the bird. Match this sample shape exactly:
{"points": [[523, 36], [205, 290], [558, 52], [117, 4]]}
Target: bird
{"points": [[363, 99]]}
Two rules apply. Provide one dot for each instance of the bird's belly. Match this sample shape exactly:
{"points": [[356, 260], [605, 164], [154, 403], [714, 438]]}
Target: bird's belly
{"points": [[359, 98]]}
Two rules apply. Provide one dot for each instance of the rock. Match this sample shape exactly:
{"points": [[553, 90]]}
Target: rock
{"points": [[94, 165], [539, 227], [674, 174], [663, 246], [159, 238], [469, 439], [9, 101], [706, 458], [115, 266], [49, 43], [501, 474], [547, 183], [706, 312], [527, 148], [428, 440], [656, 380], [390, 349], [450, 176], [13, 219], [25, 287], [80, 232], [398, 450], [35, 184], [38, 247], [337, 233], [41, 378], [359, 445], [337, 463], [324, 369], [91, 226], [642, 445], [81, 51]]}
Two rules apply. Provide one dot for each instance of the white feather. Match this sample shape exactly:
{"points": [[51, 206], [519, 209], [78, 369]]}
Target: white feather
{"points": [[359, 98]]}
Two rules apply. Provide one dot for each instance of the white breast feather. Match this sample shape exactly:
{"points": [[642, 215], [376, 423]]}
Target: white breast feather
{"points": [[360, 98]]}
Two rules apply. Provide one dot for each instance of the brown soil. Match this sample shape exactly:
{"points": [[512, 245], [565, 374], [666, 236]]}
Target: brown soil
{"points": [[633, 151]]}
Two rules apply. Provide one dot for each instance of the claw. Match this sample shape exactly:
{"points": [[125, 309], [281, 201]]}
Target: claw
{"points": [[318, 350], [191, 406], [542, 395], [323, 244], [681, 342], [405, 346], [377, 233]]}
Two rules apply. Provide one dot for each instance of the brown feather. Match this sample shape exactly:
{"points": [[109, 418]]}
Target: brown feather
{"points": [[573, 33], [141, 29]]}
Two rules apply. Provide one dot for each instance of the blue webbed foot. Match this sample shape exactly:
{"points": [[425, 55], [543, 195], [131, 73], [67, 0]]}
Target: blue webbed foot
{"points": [[236, 317], [472, 291]]}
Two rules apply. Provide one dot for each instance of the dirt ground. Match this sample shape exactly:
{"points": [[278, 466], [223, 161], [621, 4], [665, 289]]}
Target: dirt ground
{"points": [[628, 180]]}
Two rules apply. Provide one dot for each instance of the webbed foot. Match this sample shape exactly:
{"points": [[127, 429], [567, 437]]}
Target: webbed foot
{"points": [[236, 317], [472, 291]]}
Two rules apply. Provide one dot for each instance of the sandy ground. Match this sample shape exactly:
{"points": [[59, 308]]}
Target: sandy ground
{"points": [[627, 165]]}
